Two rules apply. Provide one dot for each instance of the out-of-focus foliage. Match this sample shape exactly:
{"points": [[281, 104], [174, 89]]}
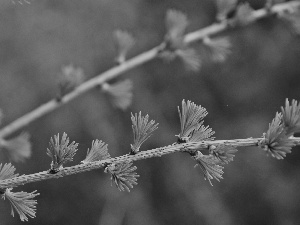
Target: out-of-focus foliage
{"points": [[71, 77], [120, 93], [18, 148], [123, 42], [241, 96]]}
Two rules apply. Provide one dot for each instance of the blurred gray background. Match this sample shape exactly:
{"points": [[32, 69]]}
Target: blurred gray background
{"points": [[241, 96]]}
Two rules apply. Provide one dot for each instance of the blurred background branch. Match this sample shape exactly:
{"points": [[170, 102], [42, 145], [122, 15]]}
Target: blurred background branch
{"points": [[125, 66]]}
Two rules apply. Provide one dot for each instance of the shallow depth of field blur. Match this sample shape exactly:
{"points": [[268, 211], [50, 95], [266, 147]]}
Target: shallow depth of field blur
{"points": [[241, 95]]}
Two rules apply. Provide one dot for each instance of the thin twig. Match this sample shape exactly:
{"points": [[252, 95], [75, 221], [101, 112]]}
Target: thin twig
{"points": [[132, 63], [157, 152]]}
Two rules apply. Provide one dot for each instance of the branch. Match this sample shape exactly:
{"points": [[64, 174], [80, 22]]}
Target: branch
{"points": [[191, 147], [132, 63]]}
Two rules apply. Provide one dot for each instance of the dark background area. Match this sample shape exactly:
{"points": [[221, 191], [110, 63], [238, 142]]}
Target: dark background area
{"points": [[241, 95]]}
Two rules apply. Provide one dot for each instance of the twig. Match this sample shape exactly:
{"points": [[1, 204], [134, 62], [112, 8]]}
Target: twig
{"points": [[157, 152], [132, 63]]}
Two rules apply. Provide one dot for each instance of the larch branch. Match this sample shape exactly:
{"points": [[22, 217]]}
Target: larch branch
{"points": [[157, 152]]}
